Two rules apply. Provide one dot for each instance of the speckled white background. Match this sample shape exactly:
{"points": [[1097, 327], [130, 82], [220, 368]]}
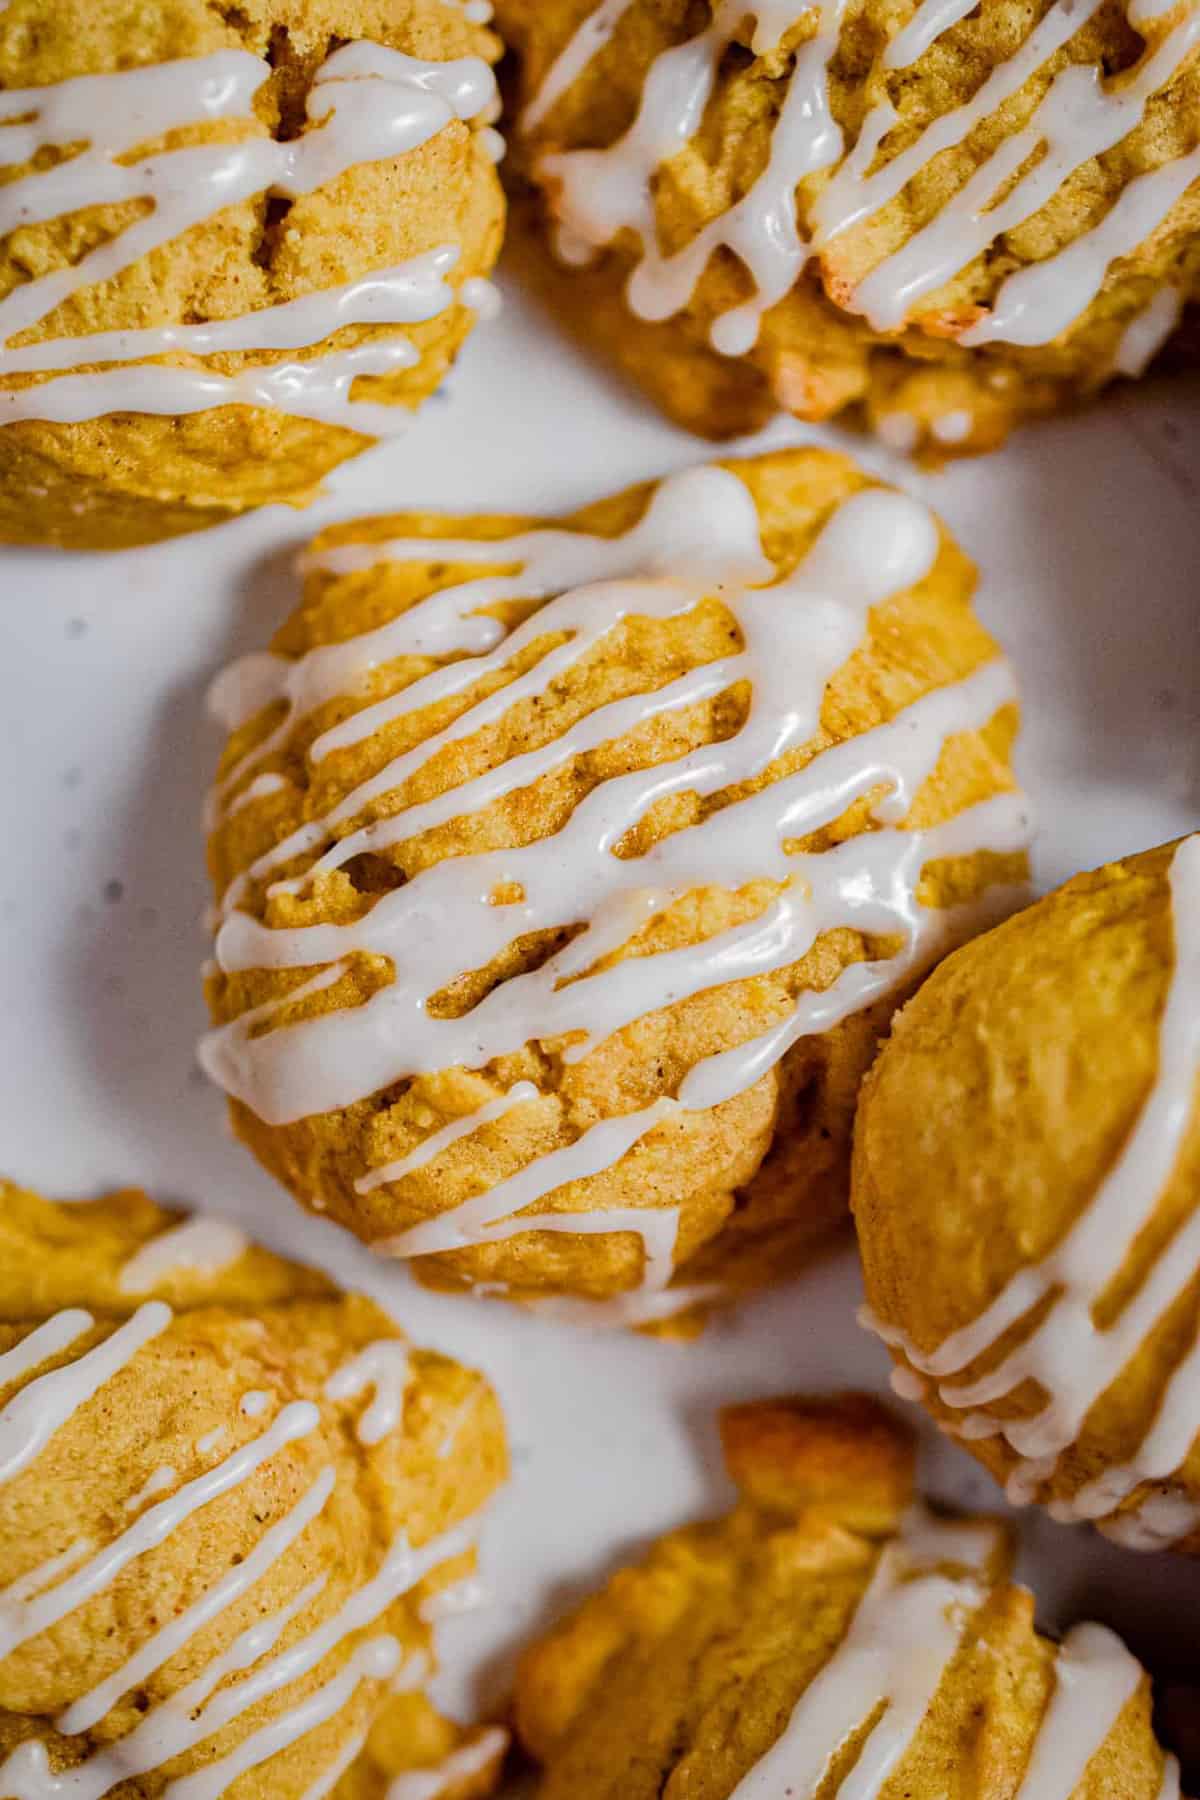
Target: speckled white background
{"points": [[1088, 532]]}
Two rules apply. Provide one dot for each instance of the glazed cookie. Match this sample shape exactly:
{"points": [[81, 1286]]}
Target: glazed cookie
{"points": [[567, 874], [228, 1495], [951, 216], [237, 243], [831, 1638], [1027, 1194]]}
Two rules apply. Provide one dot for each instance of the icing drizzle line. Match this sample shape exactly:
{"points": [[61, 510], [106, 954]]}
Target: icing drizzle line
{"points": [[699, 536], [598, 194], [1072, 1359], [367, 104], [251, 1669], [927, 1584]]}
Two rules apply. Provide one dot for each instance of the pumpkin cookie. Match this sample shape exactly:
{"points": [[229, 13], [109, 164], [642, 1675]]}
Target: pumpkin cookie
{"points": [[948, 216], [226, 1493], [567, 873], [237, 243], [829, 1637], [1027, 1194]]}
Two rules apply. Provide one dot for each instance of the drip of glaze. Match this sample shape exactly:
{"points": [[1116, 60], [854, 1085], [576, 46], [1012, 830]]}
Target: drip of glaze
{"points": [[599, 194], [1070, 1358], [852, 195], [28, 1619], [86, 1712], [43, 1406], [931, 19], [914, 1601], [952, 427], [468, 1760], [375, 1660], [594, 34], [653, 1303], [28, 1586], [1094, 1679], [911, 1601], [367, 104], [1146, 334], [261, 788], [1079, 118], [200, 1246], [159, 1481], [796, 633], [689, 526], [49, 1340], [432, 1147], [384, 1368], [210, 1702], [328, 1779], [1037, 303]]}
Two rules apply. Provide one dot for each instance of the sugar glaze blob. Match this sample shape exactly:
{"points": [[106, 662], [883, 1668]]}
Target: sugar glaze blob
{"points": [[600, 195], [1071, 1358], [367, 104], [699, 536], [72, 1359]]}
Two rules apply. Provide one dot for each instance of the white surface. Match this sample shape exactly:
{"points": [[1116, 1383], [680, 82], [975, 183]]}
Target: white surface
{"points": [[1088, 532]]}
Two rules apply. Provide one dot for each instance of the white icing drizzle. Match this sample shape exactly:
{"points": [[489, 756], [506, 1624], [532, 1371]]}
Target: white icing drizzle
{"points": [[159, 1481], [907, 1384], [384, 1368], [367, 104], [375, 1660], [202, 1246], [651, 1304], [911, 1622], [594, 34], [899, 431], [90, 1708], [261, 788], [699, 535], [1094, 1678], [931, 19], [912, 1600], [598, 194], [1078, 118], [469, 1759], [1071, 1359], [211, 1701], [37, 1580], [328, 1779], [1146, 334], [432, 1147], [453, 1601], [29, 1619], [43, 1406], [49, 1340], [255, 1403], [953, 427]]}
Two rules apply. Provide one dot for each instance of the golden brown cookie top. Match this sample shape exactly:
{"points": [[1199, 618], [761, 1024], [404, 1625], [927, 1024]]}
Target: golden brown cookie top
{"points": [[1026, 1172], [538, 846], [801, 1648], [218, 1517]]}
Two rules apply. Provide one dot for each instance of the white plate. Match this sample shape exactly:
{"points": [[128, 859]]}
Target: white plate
{"points": [[1087, 531]]}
